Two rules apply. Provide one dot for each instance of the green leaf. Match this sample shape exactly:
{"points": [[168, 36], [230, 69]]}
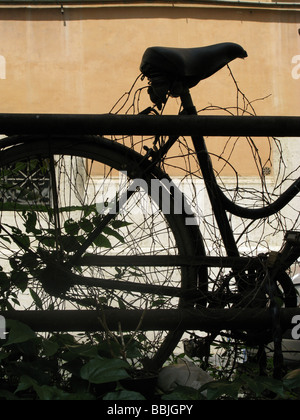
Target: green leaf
{"points": [[71, 227], [25, 383], [100, 370], [30, 223], [124, 394], [49, 347], [218, 388], [14, 263], [4, 281], [86, 225], [15, 230], [109, 348], [259, 384], [133, 347], [51, 393], [6, 395], [108, 231], [117, 224], [182, 393], [29, 260], [21, 240], [102, 241], [46, 392], [18, 332], [48, 241], [20, 279], [6, 239], [37, 300], [81, 350]]}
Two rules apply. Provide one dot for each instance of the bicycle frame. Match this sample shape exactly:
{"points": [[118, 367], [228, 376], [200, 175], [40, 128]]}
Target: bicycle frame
{"points": [[196, 297], [219, 202]]}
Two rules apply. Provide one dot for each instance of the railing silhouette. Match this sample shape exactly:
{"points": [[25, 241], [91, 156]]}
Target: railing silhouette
{"points": [[109, 124]]}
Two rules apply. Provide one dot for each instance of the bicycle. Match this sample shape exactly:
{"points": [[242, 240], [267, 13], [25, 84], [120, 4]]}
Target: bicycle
{"points": [[70, 239]]}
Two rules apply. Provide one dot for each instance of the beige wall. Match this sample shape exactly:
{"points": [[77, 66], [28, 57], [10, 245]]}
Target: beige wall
{"points": [[82, 60]]}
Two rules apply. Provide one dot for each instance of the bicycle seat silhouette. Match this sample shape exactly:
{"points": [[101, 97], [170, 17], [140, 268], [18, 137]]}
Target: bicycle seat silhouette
{"points": [[177, 68]]}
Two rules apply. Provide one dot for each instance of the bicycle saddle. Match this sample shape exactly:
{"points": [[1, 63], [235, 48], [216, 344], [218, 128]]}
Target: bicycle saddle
{"points": [[185, 66], [192, 64]]}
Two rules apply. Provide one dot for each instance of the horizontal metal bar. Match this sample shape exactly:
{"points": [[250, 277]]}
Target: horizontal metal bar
{"points": [[155, 261], [151, 320], [109, 124], [189, 3], [167, 261], [130, 286]]}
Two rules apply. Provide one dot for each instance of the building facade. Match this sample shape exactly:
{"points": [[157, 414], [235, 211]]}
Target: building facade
{"points": [[81, 57]]}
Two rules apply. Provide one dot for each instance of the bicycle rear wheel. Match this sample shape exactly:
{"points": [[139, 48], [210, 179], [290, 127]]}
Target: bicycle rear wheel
{"points": [[74, 224]]}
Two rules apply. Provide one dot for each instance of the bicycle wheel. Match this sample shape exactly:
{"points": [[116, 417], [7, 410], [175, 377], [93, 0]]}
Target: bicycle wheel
{"points": [[63, 207]]}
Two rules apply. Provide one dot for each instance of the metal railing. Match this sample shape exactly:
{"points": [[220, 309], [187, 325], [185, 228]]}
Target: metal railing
{"points": [[279, 126], [109, 124], [281, 5], [204, 319]]}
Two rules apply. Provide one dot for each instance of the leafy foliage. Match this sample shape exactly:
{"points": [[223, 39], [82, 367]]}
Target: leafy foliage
{"points": [[59, 367], [63, 367]]}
